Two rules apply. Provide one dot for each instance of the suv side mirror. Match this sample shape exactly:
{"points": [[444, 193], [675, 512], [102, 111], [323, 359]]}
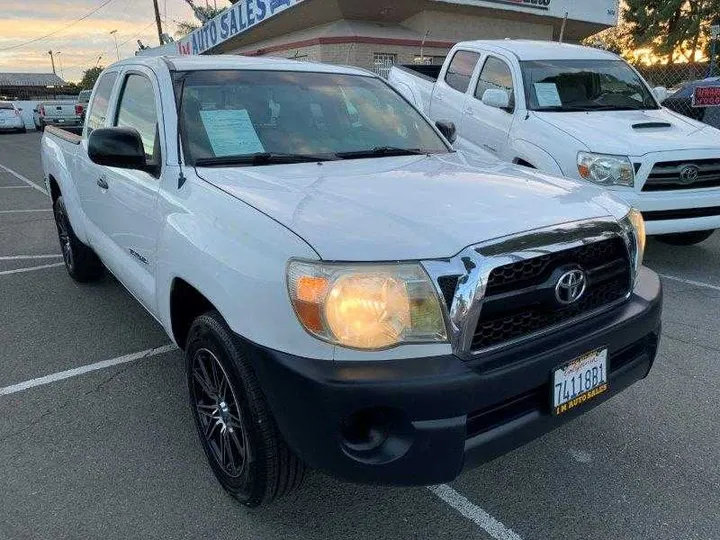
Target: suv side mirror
{"points": [[448, 130], [493, 97], [661, 93], [117, 147]]}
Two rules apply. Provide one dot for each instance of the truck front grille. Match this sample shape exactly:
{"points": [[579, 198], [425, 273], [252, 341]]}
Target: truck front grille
{"points": [[520, 297], [668, 175]]}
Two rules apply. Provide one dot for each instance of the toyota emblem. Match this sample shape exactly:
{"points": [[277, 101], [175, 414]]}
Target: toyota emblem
{"points": [[689, 174], [571, 286]]}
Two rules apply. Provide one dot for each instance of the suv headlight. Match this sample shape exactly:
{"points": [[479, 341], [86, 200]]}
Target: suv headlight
{"points": [[634, 226], [606, 170], [366, 306]]}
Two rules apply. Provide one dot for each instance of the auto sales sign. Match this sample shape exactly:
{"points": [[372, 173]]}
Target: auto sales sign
{"points": [[233, 21], [706, 96]]}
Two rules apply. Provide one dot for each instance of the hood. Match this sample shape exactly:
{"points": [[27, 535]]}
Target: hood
{"points": [[409, 208], [633, 133]]}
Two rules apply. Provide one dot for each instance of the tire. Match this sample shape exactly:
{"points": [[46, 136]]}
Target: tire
{"points": [[237, 412], [80, 261], [686, 239]]}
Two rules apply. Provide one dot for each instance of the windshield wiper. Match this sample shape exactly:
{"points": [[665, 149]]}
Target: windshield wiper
{"points": [[262, 158], [586, 108], [382, 151]]}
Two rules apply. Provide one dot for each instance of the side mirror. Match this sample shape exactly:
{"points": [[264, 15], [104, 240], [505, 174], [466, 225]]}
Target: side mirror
{"points": [[448, 130], [493, 97], [117, 147], [661, 93]]}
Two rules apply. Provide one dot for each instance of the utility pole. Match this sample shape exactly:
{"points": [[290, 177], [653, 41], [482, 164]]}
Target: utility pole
{"points": [[98, 60], [113, 33], [562, 28], [157, 21], [53, 61]]}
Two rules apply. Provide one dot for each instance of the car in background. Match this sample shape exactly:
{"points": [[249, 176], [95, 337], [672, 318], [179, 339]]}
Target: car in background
{"points": [[56, 113], [682, 102], [82, 102], [10, 117]]}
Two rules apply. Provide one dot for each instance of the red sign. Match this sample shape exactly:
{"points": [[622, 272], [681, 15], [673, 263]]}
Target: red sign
{"points": [[706, 96]]}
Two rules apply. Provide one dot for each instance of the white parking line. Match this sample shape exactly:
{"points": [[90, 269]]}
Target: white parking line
{"points": [[25, 211], [30, 269], [26, 257], [61, 375], [474, 513], [691, 282], [14, 187], [23, 179]]}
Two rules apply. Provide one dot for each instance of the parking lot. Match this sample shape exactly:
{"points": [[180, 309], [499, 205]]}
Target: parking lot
{"points": [[112, 452]]}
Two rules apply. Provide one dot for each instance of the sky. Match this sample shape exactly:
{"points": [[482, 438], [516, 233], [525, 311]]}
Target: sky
{"points": [[80, 45]]}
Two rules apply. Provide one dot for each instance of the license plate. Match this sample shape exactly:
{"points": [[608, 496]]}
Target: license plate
{"points": [[579, 381]]}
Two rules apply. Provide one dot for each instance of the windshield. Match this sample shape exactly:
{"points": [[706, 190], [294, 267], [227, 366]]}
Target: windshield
{"points": [[228, 117], [84, 96], [584, 85]]}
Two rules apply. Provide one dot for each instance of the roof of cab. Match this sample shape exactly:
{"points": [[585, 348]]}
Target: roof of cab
{"points": [[224, 62], [526, 49]]}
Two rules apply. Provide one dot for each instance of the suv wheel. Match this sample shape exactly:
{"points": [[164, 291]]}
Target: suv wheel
{"points": [[80, 261], [686, 239], [236, 429]]}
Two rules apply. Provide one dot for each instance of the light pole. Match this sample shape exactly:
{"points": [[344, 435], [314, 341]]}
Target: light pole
{"points": [[98, 61], [53, 61], [59, 57], [714, 35], [114, 35]]}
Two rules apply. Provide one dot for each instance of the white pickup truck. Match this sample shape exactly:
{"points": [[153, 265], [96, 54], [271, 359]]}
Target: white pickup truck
{"points": [[582, 113], [350, 292]]}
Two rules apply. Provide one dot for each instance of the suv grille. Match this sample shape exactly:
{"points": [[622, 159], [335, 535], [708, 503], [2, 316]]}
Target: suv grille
{"points": [[666, 175], [520, 297]]}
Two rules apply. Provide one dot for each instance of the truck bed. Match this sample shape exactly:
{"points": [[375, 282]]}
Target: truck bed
{"points": [[416, 83]]}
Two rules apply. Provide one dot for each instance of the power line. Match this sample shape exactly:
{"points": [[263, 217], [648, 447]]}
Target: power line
{"points": [[34, 40]]}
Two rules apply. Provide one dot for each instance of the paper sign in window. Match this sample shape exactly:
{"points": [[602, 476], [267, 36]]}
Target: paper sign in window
{"points": [[547, 95], [231, 132]]}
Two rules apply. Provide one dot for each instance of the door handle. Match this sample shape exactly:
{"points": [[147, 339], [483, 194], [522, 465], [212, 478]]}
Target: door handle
{"points": [[102, 183]]}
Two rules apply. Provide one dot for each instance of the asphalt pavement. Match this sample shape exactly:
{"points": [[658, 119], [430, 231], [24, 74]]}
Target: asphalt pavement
{"points": [[113, 453]]}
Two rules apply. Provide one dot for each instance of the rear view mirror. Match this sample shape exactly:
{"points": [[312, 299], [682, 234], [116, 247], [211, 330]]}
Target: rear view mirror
{"points": [[661, 93], [448, 130], [499, 99], [117, 147]]}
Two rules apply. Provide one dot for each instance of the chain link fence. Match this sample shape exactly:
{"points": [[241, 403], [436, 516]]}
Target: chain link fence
{"points": [[682, 82]]}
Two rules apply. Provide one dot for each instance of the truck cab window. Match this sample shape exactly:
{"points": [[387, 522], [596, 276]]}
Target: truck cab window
{"points": [[461, 69], [99, 105], [496, 75], [137, 110]]}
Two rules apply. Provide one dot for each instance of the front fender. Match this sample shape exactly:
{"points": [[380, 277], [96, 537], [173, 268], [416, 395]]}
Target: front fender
{"points": [[536, 156]]}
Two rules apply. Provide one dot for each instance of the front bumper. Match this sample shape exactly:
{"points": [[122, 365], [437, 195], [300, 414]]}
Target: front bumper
{"points": [[440, 415]]}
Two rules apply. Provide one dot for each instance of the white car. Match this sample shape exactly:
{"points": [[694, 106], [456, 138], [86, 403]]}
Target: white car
{"points": [[10, 117], [350, 293], [582, 113]]}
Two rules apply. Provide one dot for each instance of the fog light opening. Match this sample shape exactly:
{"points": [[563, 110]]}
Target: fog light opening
{"points": [[365, 430]]}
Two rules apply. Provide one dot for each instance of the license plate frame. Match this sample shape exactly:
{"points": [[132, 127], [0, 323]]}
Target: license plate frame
{"points": [[568, 372]]}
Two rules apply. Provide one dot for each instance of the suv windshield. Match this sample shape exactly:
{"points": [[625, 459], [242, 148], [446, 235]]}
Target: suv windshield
{"points": [[584, 85], [263, 117]]}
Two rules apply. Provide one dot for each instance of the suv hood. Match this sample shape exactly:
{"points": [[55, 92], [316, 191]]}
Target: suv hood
{"points": [[409, 208], [633, 132]]}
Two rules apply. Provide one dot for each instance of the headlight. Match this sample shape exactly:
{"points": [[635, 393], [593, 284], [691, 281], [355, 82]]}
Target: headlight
{"points": [[606, 170], [634, 225], [366, 306]]}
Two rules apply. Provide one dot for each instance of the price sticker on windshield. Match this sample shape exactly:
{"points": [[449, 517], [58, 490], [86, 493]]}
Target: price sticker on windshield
{"points": [[547, 95]]}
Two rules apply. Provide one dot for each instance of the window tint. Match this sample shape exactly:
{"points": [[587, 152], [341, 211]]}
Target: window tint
{"points": [[99, 107], [495, 75], [460, 70], [136, 109]]}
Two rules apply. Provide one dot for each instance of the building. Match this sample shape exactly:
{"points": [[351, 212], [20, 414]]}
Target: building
{"points": [[30, 86], [374, 34]]}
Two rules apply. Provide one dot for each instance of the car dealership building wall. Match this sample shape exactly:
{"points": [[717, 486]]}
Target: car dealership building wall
{"points": [[373, 34]]}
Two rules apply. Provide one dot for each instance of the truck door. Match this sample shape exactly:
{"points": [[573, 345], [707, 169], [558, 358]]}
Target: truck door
{"points": [[485, 126], [449, 93], [131, 220]]}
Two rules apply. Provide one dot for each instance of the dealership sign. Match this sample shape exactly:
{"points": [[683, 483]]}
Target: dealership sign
{"points": [[233, 21], [598, 11], [706, 96]]}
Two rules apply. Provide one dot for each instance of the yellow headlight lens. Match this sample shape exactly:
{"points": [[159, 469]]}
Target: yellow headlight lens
{"points": [[366, 306], [638, 223]]}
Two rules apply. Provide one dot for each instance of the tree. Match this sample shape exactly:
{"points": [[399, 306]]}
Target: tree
{"points": [[202, 14], [673, 29], [89, 77]]}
